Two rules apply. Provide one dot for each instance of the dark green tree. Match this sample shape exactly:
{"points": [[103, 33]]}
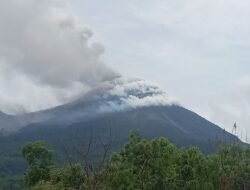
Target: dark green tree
{"points": [[144, 164], [39, 159]]}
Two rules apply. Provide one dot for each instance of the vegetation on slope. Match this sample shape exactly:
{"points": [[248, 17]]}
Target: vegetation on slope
{"points": [[142, 165]]}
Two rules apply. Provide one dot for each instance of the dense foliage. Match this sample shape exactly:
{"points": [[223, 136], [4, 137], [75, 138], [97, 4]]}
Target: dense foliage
{"points": [[143, 165], [39, 159], [102, 130]]}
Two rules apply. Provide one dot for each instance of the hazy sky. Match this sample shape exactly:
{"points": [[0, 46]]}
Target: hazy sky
{"points": [[197, 50]]}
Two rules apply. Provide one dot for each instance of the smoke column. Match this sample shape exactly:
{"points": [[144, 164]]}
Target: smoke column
{"points": [[46, 50]]}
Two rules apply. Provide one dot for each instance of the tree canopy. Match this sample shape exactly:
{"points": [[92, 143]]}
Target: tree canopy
{"points": [[144, 164]]}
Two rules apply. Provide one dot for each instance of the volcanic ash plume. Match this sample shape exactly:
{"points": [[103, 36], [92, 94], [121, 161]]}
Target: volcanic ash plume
{"points": [[42, 40]]}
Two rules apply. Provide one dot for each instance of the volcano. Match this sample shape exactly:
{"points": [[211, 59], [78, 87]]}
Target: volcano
{"points": [[106, 115], [118, 107]]}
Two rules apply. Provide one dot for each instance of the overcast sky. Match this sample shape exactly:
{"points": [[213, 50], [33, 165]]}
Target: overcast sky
{"points": [[197, 50]]}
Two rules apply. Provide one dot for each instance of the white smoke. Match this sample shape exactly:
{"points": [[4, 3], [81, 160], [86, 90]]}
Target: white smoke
{"points": [[123, 94], [45, 43]]}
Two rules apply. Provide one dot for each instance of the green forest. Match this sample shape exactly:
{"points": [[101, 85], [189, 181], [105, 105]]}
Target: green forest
{"points": [[141, 164]]}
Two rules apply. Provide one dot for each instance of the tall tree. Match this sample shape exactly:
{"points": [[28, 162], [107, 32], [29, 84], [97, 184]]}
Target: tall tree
{"points": [[39, 159]]}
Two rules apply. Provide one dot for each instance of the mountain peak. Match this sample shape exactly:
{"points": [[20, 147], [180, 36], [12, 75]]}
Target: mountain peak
{"points": [[126, 93]]}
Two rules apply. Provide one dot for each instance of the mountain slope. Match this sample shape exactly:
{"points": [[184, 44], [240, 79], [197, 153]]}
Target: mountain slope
{"points": [[106, 115], [123, 105]]}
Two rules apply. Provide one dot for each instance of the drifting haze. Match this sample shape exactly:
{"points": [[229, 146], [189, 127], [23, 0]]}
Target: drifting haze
{"points": [[44, 53]]}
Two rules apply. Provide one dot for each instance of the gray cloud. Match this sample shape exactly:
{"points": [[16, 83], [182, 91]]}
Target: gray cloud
{"points": [[18, 93], [44, 43]]}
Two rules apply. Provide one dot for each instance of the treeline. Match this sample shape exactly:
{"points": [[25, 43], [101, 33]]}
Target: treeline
{"points": [[142, 165]]}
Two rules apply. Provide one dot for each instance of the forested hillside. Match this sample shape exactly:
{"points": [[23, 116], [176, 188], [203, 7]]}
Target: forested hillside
{"points": [[143, 165]]}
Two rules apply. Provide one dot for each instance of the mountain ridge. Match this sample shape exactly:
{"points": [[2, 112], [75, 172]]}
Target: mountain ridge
{"points": [[134, 101]]}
